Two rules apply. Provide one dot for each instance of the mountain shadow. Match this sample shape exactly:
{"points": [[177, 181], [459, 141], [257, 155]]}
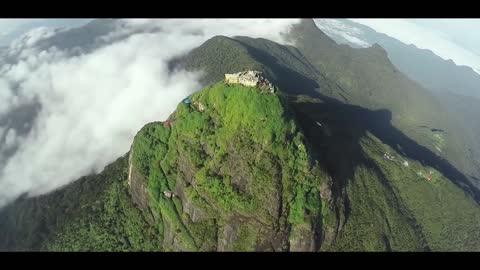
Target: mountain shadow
{"points": [[335, 130]]}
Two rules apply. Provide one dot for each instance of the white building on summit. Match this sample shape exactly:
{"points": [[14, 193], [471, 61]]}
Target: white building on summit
{"points": [[249, 78]]}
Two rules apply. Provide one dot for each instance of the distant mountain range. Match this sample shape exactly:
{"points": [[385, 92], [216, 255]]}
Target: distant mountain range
{"points": [[422, 65]]}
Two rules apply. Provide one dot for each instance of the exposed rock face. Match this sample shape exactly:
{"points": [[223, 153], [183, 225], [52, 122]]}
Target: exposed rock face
{"points": [[136, 183], [199, 106], [168, 194], [226, 238], [302, 239], [325, 192]]}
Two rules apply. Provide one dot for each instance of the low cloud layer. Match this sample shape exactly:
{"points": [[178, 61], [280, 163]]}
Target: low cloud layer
{"points": [[11, 28], [337, 27], [92, 105]]}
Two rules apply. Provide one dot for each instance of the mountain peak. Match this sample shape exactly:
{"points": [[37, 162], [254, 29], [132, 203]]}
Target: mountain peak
{"points": [[378, 50], [377, 46], [240, 166]]}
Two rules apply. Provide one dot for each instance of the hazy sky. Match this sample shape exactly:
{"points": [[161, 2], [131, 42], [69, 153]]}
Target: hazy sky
{"points": [[456, 39], [464, 32]]}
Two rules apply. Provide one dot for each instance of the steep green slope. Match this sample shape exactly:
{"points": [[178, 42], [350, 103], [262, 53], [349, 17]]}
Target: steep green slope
{"points": [[242, 169]]}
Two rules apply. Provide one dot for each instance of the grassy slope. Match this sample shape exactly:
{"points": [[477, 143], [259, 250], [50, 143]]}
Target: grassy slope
{"points": [[448, 219], [393, 208]]}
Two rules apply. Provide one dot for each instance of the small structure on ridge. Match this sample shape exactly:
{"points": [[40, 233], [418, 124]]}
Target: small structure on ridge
{"points": [[250, 78]]}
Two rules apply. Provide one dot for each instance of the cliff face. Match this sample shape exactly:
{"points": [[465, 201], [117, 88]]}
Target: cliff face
{"points": [[137, 185]]}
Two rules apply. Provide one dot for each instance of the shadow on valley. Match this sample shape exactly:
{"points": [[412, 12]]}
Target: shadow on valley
{"points": [[335, 130]]}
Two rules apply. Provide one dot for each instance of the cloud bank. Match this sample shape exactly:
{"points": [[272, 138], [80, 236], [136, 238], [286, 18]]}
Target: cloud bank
{"points": [[91, 105]]}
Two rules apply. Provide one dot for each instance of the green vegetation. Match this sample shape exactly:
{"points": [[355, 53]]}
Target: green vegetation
{"points": [[447, 221], [95, 213], [233, 160]]}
